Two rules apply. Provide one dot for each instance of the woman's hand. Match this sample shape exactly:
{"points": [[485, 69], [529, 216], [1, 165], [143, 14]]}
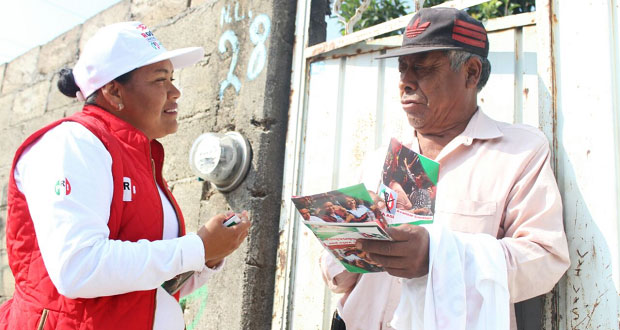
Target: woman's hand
{"points": [[220, 241]]}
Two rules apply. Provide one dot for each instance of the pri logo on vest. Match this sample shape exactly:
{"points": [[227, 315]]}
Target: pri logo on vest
{"points": [[128, 189], [62, 187]]}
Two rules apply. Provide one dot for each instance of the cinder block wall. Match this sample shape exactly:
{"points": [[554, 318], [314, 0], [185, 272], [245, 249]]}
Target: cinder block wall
{"points": [[248, 43]]}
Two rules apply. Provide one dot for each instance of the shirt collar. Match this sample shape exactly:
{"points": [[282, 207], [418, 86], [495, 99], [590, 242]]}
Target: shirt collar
{"points": [[480, 127]]}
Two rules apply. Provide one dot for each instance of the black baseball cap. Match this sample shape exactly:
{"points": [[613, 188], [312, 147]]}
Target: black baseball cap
{"points": [[442, 29]]}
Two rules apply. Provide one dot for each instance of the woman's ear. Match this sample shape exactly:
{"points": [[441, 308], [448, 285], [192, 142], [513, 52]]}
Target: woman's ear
{"points": [[473, 69], [112, 94]]}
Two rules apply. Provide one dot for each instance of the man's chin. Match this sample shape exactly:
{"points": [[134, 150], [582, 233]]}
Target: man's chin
{"points": [[415, 122]]}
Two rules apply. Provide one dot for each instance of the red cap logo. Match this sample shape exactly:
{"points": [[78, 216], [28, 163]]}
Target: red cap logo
{"points": [[416, 28]]}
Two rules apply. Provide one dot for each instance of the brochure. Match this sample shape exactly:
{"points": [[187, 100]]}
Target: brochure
{"points": [[409, 186], [340, 217]]}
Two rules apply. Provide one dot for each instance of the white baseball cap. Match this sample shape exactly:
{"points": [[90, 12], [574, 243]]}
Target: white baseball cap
{"points": [[121, 47]]}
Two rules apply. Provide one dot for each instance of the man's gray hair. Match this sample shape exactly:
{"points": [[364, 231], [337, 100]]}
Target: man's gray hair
{"points": [[459, 57]]}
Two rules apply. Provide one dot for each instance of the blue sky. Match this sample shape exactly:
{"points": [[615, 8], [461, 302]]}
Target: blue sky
{"points": [[25, 24]]}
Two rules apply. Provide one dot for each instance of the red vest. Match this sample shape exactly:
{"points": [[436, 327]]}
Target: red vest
{"points": [[134, 157]]}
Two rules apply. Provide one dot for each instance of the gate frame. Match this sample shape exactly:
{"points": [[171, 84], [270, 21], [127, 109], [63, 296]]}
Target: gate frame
{"points": [[303, 56]]}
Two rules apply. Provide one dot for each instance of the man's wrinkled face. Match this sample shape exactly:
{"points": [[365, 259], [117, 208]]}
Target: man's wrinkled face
{"points": [[431, 93]]}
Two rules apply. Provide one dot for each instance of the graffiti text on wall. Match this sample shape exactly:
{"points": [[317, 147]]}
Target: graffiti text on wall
{"points": [[260, 27]]}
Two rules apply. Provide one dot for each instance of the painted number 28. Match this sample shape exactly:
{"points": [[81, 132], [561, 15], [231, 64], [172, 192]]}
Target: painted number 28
{"points": [[256, 63]]}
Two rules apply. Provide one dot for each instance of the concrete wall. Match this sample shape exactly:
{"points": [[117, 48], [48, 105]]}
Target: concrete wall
{"points": [[247, 43]]}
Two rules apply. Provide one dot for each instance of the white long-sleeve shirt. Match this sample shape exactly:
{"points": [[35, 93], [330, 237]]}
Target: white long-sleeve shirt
{"points": [[73, 234]]}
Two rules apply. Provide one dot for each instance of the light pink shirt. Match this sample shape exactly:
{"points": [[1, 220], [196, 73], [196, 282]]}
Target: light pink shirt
{"points": [[494, 178]]}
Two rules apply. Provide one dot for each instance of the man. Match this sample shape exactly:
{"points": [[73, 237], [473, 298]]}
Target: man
{"points": [[360, 212], [306, 215], [496, 194], [334, 213]]}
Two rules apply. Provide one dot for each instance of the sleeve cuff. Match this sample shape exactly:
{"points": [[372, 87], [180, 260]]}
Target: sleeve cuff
{"points": [[193, 252], [209, 270], [331, 266]]}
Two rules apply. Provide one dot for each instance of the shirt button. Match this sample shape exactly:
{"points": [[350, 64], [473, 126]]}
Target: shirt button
{"points": [[400, 280]]}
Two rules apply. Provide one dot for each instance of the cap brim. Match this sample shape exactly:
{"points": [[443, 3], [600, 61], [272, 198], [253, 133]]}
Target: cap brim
{"points": [[413, 50], [180, 58]]}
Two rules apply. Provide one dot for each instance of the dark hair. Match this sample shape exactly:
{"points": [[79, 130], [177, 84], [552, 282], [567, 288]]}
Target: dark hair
{"points": [[124, 78], [66, 82], [67, 86]]}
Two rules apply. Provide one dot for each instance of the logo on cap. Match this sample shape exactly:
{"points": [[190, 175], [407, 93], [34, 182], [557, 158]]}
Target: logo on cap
{"points": [[148, 35], [416, 29]]}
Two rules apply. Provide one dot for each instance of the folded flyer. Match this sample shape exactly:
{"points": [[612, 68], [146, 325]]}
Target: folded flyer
{"points": [[408, 186], [340, 217]]}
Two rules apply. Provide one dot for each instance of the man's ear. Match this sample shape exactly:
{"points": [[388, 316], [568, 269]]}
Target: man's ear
{"points": [[112, 93], [473, 69]]}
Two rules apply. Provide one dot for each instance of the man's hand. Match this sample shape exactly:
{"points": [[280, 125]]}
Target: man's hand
{"points": [[220, 241], [405, 256]]}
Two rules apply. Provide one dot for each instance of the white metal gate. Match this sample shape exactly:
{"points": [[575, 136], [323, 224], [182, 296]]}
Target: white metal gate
{"points": [[345, 104]]}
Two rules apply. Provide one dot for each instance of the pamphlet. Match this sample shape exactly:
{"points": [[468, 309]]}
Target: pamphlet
{"points": [[338, 218], [408, 186]]}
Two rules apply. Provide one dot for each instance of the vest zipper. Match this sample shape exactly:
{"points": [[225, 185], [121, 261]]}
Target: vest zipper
{"points": [[43, 319]]}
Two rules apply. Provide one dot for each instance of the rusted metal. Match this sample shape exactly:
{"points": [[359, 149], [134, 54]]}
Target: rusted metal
{"points": [[548, 123], [509, 22], [364, 37], [379, 29], [358, 36], [285, 274], [585, 297]]}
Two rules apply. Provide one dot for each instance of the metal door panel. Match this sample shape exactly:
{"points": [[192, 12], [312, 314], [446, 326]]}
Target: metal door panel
{"points": [[357, 126], [502, 79], [528, 91], [321, 128], [353, 107], [587, 131], [562, 75]]}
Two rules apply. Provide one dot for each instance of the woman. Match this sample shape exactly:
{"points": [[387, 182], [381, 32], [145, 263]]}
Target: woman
{"points": [[360, 212], [93, 230]]}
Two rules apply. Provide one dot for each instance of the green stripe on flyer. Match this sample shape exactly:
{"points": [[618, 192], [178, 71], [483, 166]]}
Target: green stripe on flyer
{"points": [[417, 223]]}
